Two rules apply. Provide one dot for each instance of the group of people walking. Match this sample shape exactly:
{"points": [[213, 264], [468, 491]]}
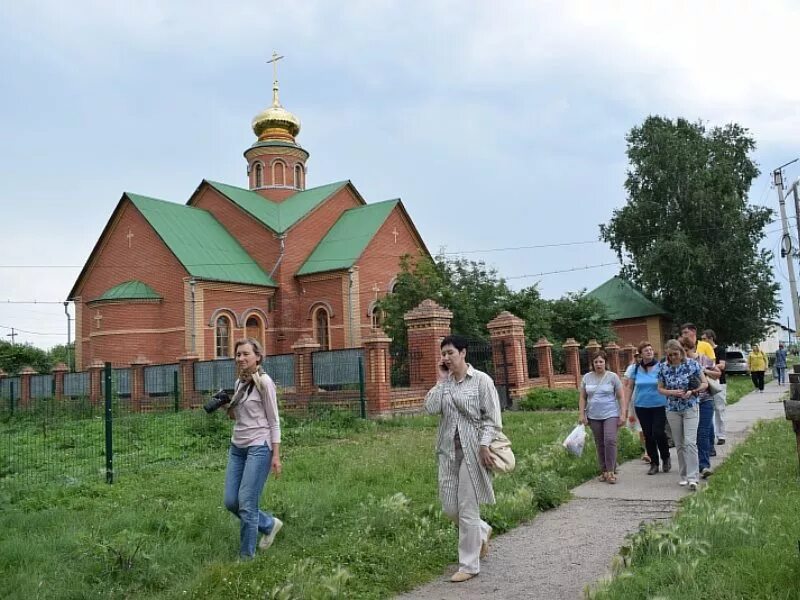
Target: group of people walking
{"points": [[683, 395]]}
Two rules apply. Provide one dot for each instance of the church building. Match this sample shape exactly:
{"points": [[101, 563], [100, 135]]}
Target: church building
{"points": [[274, 260]]}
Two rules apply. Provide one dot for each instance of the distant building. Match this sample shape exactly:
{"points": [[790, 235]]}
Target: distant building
{"points": [[635, 318], [275, 261], [777, 334]]}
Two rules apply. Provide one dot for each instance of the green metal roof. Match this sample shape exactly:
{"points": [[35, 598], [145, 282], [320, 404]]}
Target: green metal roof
{"points": [[278, 216], [130, 290], [200, 242], [624, 301], [348, 238]]}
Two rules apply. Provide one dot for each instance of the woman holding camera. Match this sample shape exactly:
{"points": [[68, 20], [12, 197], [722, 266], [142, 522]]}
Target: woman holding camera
{"points": [[255, 448]]}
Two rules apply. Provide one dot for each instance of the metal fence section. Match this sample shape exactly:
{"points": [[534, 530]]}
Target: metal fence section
{"points": [[159, 379], [76, 385], [9, 388], [42, 386], [479, 355], [281, 368], [559, 359], [211, 375], [336, 367], [405, 366], [120, 383], [533, 362], [583, 360]]}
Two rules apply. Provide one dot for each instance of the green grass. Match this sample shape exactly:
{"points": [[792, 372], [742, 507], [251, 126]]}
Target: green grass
{"points": [[359, 502], [739, 538], [550, 399]]}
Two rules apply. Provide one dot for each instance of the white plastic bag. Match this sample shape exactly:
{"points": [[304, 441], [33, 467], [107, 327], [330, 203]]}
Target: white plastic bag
{"points": [[576, 440]]}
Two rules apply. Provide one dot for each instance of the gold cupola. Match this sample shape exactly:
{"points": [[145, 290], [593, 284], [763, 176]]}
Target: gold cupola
{"points": [[276, 122]]}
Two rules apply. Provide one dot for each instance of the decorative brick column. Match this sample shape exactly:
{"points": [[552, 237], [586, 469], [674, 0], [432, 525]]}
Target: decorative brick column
{"points": [[303, 368], [186, 379], [507, 334], [427, 324], [626, 355], [612, 360], [95, 381], [58, 379], [137, 382], [377, 373], [544, 354], [572, 359], [25, 385]]}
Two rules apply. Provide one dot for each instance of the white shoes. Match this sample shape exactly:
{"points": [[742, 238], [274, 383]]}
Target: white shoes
{"points": [[266, 540]]}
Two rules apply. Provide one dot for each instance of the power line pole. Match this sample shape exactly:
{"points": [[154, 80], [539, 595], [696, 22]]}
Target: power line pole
{"points": [[786, 245], [13, 335]]}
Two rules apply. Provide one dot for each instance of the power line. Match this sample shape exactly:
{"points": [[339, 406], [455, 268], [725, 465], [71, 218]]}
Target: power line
{"points": [[13, 329]]}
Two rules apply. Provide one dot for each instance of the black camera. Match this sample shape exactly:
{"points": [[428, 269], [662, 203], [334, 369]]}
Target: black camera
{"points": [[219, 399]]}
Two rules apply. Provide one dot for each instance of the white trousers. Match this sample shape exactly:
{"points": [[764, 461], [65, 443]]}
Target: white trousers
{"points": [[466, 513], [719, 411], [684, 434]]}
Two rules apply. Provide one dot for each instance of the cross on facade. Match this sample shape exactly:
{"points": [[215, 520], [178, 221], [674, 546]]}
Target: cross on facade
{"points": [[395, 234], [97, 318], [129, 236], [376, 289]]}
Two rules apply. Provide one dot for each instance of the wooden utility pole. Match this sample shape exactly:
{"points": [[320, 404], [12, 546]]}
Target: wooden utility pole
{"points": [[13, 335]]}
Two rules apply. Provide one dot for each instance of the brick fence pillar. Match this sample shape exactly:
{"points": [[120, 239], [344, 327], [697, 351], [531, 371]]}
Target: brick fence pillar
{"points": [[377, 373], [626, 355], [572, 359], [427, 324], [612, 362], [58, 379], [137, 382], [25, 385], [96, 381], [544, 354], [303, 368], [186, 378], [507, 334]]}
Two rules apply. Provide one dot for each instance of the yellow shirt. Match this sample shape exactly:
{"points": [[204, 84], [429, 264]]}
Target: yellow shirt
{"points": [[704, 348], [757, 361]]}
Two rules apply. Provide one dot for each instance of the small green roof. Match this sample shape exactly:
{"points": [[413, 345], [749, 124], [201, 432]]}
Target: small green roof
{"points": [[278, 216], [348, 238], [624, 301], [202, 245], [130, 290]]}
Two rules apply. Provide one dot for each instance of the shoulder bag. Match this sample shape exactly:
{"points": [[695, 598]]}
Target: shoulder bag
{"points": [[502, 455]]}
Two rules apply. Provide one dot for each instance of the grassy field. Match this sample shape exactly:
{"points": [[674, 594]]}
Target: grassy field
{"points": [[359, 502], [738, 539]]}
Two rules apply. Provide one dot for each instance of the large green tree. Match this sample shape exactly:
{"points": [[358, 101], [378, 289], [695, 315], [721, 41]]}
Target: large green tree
{"points": [[687, 235]]}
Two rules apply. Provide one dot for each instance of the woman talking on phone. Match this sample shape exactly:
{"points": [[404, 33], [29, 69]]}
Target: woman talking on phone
{"points": [[469, 410], [255, 448]]}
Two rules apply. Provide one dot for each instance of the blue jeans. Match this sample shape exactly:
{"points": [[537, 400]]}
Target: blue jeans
{"points": [[705, 434], [245, 478]]}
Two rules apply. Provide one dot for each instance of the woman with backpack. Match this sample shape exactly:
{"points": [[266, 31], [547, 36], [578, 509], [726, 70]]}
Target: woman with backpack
{"points": [[641, 385]]}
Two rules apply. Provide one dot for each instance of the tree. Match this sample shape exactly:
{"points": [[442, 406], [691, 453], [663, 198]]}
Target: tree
{"points": [[687, 235], [13, 357], [581, 317]]}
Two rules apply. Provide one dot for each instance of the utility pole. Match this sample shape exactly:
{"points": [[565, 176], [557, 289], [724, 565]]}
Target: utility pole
{"points": [[786, 244], [12, 335]]}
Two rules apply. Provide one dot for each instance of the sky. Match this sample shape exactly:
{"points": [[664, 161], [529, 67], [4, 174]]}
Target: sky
{"points": [[501, 126]]}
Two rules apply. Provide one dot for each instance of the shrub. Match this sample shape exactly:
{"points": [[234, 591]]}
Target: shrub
{"points": [[549, 399]]}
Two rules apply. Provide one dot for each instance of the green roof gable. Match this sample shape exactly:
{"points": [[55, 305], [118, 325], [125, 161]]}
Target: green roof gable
{"points": [[201, 244], [130, 290], [624, 301], [348, 238], [278, 216]]}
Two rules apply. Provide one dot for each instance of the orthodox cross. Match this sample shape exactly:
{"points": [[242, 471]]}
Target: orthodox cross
{"points": [[395, 234], [274, 60], [98, 317], [129, 236]]}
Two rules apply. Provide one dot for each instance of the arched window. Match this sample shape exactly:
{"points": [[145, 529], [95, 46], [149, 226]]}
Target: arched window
{"points": [[222, 337], [298, 177], [278, 173], [376, 316], [322, 323], [254, 329], [259, 178]]}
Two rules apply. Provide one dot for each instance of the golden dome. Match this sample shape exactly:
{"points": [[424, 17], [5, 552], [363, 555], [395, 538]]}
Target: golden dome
{"points": [[275, 121]]}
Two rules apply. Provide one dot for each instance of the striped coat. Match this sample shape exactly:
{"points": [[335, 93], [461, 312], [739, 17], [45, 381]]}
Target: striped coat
{"points": [[472, 408]]}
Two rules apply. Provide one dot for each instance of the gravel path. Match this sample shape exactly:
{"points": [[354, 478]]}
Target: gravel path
{"points": [[560, 552]]}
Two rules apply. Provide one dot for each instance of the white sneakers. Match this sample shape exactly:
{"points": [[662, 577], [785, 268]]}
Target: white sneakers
{"points": [[266, 540]]}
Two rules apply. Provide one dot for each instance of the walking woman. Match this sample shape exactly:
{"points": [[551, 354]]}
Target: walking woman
{"points": [[680, 380], [469, 409], [757, 363], [705, 423], [255, 448], [603, 407], [650, 407]]}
